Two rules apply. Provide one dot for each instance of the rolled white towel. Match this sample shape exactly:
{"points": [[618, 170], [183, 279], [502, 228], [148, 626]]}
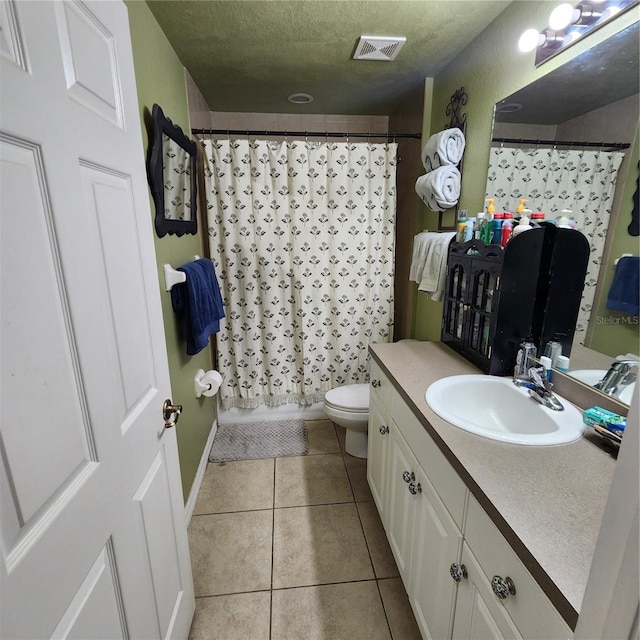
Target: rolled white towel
{"points": [[439, 189], [443, 148]]}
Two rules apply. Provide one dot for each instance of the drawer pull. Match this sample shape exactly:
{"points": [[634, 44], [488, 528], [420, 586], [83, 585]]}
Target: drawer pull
{"points": [[375, 384], [458, 572], [503, 587], [415, 488], [384, 429], [408, 477]]}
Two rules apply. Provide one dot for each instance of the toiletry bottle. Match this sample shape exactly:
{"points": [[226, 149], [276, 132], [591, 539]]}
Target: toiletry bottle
{"points": [[496, 228], [553, 350], [462, 220], [486, 232], [520, 208], [536, 218], [469, 226], [481, 221], [490, 208], [563, 364], [545, 361], [523, 225], [507, 226], [566, 221], [525, 358]]}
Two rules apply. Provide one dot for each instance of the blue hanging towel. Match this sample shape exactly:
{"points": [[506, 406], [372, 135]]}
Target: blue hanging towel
{"points": [[198, 304], [624, 294]]}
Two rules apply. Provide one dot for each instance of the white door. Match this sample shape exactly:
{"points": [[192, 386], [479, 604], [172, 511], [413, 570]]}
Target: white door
{"points": [[93, 539]]}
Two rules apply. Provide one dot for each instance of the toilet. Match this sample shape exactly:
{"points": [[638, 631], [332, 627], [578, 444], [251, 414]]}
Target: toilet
{"points": [[348, 406]]}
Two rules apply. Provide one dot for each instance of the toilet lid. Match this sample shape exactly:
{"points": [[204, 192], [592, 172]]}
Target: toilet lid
{"points": [[353, 397]]}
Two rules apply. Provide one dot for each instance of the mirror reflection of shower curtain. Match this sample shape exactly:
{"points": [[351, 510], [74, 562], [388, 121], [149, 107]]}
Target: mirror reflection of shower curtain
{"points": [[302, 236], [582, 180]]}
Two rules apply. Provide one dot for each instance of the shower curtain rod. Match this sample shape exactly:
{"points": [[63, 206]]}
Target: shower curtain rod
{"points": [[303, 134], [612, 145]]}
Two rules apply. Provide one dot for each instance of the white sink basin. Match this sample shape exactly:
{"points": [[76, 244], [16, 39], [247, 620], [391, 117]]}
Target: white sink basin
{"points": [[495, 408], [593, 376]]}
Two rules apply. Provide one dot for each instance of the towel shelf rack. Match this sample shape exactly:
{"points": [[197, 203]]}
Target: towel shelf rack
{"points": [[173, 276]]}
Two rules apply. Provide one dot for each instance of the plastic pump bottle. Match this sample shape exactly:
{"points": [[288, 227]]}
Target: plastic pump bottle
{"points": [[520, 210], [462, 221], [523, 225], [507, 226], [481, 222], [496, 228]]}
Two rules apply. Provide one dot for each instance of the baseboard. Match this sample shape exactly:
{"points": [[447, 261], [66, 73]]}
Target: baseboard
{"points": [[197, 481]]}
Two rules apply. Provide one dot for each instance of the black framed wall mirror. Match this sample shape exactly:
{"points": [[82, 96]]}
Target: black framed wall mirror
{"points": [[172, 174]]}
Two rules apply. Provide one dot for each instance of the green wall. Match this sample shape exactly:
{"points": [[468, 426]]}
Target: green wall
{"points": [[613, 331], [160, 79], [490, 68]]}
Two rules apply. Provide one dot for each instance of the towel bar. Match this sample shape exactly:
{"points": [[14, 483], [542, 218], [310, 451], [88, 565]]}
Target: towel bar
{"points": [[173, 276], [624, 255]]}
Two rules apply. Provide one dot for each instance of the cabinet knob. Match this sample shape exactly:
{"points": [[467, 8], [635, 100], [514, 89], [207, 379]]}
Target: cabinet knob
{"points": [[415, 488], [375, 384], [503, 587], [458, 572], [408, 476], [384, 429]]}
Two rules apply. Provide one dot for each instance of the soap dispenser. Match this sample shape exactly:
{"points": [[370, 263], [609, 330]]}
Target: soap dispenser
{"points": [[523, 225], [520, 210]]}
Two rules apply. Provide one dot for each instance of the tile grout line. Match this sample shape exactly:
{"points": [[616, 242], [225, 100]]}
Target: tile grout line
{"points": [[273, 545], [366, 542]]}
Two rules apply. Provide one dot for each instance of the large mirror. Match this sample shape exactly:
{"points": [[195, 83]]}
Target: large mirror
{"points": [[565, 142], [172, 173]]}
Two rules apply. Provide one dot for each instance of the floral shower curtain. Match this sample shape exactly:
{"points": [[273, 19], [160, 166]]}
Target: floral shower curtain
{"points": [[581, 180], [302, 236]]}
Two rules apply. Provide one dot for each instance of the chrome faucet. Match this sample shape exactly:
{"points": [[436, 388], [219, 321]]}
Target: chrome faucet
{"points": [[539, 388], [621, 374]]}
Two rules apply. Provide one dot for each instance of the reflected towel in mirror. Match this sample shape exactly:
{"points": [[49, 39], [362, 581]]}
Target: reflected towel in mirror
{"points": [[624, 294], [439, 189], [443, 148]]}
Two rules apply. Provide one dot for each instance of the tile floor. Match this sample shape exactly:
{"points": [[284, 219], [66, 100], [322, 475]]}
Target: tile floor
{"points": [[293, 548]]}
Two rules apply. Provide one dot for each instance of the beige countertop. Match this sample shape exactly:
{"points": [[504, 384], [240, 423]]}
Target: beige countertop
{"points": [[548, 502]]}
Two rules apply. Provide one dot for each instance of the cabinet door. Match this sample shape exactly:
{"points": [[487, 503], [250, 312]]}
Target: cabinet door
{"points": [[479, 615], [482, 299], [437, 543], [398, 520], [378, 454]]}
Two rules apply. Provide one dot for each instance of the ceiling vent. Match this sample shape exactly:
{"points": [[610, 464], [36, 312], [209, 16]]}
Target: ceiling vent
{"points": [[378, 48]]}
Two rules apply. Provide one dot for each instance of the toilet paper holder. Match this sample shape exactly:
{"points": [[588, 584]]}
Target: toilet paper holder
{"points": [[202, 386]]}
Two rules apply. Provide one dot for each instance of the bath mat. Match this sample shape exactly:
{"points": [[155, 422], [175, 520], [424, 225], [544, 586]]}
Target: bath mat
{"points": [[259, 440]]}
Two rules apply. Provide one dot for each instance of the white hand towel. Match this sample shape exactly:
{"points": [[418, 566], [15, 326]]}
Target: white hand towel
{"points": [[439, 189], [430, 262], [443, 148], [418, 257]]}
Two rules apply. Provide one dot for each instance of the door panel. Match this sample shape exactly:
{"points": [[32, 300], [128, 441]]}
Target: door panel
{"points": [[93, 538]]}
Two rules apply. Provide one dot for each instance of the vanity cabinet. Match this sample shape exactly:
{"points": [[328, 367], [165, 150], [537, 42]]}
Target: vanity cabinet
{"points": [[433, 523]]}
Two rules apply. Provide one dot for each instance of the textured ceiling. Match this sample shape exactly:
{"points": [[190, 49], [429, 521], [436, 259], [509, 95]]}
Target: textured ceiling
{"points": [[249, 55]]}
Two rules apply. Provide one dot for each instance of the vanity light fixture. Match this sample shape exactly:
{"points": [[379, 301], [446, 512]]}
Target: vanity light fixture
{"points": [[565, 15], [569, 22], [533, 39]]}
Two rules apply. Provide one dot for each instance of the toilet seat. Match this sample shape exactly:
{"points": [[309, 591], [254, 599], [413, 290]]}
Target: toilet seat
{"points": [[352, 398]]}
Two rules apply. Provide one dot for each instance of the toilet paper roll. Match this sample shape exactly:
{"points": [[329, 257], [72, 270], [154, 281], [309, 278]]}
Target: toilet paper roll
{"points": [[207, 383]]}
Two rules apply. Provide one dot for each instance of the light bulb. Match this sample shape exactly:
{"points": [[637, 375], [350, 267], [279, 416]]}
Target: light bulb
{"points": [[529, 40], [562, 16]]}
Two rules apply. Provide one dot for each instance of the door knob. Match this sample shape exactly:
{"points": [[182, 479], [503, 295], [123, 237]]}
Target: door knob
{"points": [[170, 413]]}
